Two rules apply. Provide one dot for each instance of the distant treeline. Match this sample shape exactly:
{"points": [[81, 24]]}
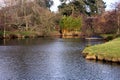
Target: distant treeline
{"points": [[81, 17]]}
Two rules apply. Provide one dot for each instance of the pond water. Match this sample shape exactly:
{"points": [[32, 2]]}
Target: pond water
{"points": [[51, 59]]}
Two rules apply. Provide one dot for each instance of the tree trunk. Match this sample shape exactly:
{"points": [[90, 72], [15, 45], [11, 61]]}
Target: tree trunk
{"points": [[118, 23]]}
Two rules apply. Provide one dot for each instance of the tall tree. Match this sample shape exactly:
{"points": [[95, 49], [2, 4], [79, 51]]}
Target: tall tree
{"points": [[73, 7], [118, 17], [89, 7], [95, 6]]}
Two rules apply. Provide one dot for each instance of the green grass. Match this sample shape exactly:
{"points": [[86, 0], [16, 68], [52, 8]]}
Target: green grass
{"points": [[26, 33], [108, 49], [107, 35]]}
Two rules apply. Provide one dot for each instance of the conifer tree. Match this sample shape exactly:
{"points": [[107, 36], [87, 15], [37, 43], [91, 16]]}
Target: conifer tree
{"points": [[88, 7]]}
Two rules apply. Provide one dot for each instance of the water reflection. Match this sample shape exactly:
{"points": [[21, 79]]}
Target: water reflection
{"points": [[51, 59]]}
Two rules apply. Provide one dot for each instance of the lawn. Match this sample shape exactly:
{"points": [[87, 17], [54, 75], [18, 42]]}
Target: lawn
{"points": [[109, 49]]}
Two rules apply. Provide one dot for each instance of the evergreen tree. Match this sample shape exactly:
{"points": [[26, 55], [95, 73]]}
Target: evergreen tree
{"points": [[95, 7], [88, 7], [73, 7]]}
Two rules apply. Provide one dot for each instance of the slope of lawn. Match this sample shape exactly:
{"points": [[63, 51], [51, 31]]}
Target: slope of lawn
{"points": [[108, 50]]}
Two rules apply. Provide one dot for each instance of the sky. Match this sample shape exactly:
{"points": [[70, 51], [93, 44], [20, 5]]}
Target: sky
{"points": [[54, 7], [108, 3], [1, 1]]}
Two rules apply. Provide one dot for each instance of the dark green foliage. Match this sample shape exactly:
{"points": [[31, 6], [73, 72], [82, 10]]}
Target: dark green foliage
{"points": [[86, 7], [74, 7], [49, 3], [65, 9], [95, 6]]}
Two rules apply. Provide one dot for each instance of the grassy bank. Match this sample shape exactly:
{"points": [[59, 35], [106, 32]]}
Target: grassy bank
{"points": [[108, 36], [17, 34], [109, 51], [26, 34]]}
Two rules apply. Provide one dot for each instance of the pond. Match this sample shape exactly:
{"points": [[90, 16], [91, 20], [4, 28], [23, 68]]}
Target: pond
{"points": [[52, 59]]}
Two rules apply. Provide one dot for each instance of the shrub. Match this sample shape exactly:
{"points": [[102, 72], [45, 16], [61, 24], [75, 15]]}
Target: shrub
{"points": [[70, 23]]}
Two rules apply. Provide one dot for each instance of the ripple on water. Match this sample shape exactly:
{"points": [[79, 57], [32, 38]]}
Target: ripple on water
{"points": [[51, 59]]}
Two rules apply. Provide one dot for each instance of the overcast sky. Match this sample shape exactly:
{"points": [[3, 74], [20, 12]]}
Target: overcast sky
{"points": [[108, 3]]}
